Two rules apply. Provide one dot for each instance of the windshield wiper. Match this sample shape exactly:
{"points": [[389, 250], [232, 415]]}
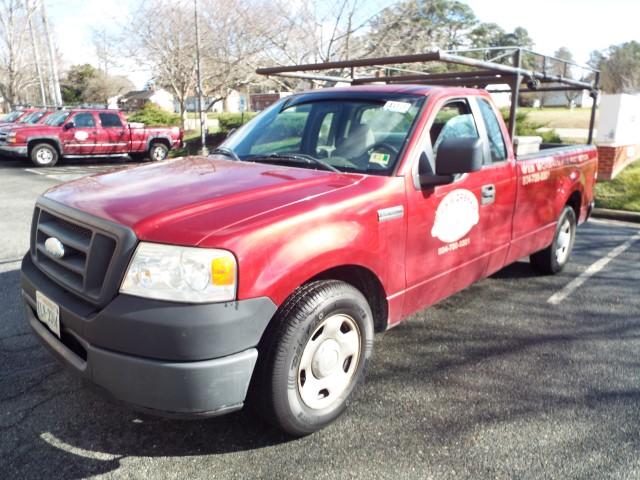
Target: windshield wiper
{"points": [[227, 152], [294, 156]]}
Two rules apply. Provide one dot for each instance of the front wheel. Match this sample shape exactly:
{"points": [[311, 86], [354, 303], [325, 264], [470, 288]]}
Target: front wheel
{"points": [[316, 357], [554, 258], [44, 155]]}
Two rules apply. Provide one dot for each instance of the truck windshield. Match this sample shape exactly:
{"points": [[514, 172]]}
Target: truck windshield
{"points": [[56, 119], [11, 117], [32, 117], [343, 134]]}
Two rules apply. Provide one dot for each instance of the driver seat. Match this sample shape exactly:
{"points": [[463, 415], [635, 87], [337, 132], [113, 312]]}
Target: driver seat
{"points": [[356, 144]]}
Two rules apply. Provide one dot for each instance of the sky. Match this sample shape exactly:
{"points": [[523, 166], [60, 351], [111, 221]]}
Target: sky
{"points": [[580, 25]]}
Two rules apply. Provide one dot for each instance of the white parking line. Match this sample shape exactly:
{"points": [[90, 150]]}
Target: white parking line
{"points": [[594, 268], [37, 172]]}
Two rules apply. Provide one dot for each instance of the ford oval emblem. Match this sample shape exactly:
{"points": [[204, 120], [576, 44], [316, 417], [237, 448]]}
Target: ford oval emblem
{"points": [[54, 247]]}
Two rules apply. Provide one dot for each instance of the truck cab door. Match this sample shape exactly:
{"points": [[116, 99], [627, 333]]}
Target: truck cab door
{"points": [[114, 134], [79, 135], [455, 229]]}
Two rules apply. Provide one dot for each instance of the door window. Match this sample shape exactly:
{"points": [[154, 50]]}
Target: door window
{"points": [[84, 120], [324, 136], [454, 120], [109, 120], [494, 132]]}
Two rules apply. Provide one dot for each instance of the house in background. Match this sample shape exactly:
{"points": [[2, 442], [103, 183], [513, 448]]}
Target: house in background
{"points": [[580, 99], [260, 101], [232, 104], [136, 99]]}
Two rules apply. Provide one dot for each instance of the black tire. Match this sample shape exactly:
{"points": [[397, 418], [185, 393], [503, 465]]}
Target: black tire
{"points": [[158, 152], [553, 259], [44, 155], [312, 325]]}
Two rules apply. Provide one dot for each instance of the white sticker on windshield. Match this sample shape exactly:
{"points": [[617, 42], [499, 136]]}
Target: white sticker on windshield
{"points": [[399, 107]]}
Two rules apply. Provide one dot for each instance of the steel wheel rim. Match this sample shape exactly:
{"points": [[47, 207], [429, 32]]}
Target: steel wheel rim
{"points": [[329, 361], [158, 154], [564, 242], [44, 155]]}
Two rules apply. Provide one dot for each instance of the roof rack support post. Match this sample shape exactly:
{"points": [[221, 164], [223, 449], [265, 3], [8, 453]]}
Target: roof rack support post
{"points": [[594, 95], [515, 93]]}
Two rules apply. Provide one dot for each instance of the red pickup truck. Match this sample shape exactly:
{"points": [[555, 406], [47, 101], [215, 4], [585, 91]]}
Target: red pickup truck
{"points": [[16, 116], [262, 272], [87, 133]]}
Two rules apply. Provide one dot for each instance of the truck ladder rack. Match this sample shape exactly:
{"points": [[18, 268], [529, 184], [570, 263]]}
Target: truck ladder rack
{"points": [[544, 78]]}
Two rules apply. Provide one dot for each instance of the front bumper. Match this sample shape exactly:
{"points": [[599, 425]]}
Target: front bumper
{"points": [[13, 150], [163, 357]]}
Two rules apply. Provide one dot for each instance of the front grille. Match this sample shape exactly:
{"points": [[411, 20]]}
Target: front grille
{"points": [[96, 252]]}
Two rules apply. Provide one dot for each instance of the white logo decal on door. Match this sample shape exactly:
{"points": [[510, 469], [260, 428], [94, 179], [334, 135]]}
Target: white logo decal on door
{"points": [[81, 136], [456, 215]]}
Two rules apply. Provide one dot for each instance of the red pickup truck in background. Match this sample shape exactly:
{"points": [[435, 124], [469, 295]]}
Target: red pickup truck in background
{"points": [[32, 117], [262, 272], [16, 116], [87, 133]]}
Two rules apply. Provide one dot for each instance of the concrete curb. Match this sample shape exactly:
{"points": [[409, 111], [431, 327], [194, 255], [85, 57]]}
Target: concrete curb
{"points": [[616, 215]]}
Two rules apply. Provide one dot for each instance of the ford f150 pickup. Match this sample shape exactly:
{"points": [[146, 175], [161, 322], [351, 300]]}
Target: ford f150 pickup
{"points": [[261, 272], [87, 133]]}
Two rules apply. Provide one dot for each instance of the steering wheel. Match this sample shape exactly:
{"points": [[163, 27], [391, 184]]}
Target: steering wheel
{"points": [[383, 146]]}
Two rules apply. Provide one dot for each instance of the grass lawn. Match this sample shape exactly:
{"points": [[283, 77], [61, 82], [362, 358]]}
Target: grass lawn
{"points": [[559, 117], [623, 192], [192, 143]]}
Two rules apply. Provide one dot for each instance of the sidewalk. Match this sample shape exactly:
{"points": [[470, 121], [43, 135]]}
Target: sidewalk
{"points": [[621, 215]]}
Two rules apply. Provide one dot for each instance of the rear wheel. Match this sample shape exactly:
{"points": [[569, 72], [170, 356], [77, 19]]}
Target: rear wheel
{"points": [[554, 258], [44, 155], [158, 152], [315, 357]]}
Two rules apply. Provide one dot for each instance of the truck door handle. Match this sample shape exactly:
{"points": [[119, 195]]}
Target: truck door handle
{"points": [[488, 194]]}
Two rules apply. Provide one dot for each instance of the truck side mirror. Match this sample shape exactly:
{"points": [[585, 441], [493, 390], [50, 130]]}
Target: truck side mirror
{"points": [[69, 125], [427, 177], [459, 155]]}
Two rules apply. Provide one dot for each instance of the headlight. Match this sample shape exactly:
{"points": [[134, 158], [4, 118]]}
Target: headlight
{"points": [[11, 137], [183, 274]]}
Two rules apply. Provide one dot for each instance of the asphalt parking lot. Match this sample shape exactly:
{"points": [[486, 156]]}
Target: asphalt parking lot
{"points": [[495, 382]]}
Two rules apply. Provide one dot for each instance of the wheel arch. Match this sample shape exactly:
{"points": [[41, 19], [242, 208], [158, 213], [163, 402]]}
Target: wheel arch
{"points": [[32, 142], [159, 139], [368, 283], [575, 202]]}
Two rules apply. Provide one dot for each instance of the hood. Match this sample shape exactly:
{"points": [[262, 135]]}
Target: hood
{"points": [[16, 126], [183, 201], [41, 128]]}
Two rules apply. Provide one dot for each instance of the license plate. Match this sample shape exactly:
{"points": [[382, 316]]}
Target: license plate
{"points": [[48, 313]]}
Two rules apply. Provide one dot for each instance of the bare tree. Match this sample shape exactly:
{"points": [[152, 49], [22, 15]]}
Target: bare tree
{"points": [[312, 31], [16, 67], [160, 36], [107, 49], [233, 41]]}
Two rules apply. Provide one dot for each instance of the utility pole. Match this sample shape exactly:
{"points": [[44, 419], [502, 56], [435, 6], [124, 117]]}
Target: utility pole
{"points": [[203, 138], [36, 53], [55, 84]]}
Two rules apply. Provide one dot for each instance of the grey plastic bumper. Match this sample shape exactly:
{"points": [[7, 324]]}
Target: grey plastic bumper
{"points": [[170, 358], [204, 388], [13, 151]]}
